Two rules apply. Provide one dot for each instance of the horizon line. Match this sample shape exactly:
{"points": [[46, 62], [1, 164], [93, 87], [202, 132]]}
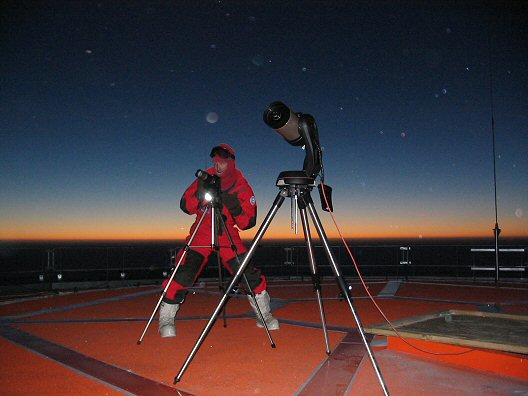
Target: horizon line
{"points": [[301, 238]]}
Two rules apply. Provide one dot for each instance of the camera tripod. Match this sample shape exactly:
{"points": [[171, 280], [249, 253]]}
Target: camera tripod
{"points": [[296, 186], [217, 224]]}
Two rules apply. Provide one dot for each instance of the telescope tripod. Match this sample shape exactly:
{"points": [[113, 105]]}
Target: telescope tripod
{"points": [[296, 186], [217, 224]]}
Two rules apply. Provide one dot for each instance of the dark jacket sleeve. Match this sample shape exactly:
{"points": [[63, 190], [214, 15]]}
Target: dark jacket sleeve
{"points": [[190, 200], [247, 217]]}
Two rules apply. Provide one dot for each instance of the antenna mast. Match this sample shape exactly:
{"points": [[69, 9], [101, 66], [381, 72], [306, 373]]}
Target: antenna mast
{"points": [[496, 229]]}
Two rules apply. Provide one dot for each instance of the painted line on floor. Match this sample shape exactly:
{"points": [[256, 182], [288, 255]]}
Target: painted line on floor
{"points": [[75, 306], [115, 377], [335, 374], [390, 289]]}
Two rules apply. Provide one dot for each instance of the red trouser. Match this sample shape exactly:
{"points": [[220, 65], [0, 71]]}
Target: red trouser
{"points": [[196, 259]]}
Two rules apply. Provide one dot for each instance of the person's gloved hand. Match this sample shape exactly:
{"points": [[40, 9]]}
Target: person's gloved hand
{"points": [[232, 203]]}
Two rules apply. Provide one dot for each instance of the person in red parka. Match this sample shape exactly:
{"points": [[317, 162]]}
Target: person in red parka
{"points": [[239, 210]]}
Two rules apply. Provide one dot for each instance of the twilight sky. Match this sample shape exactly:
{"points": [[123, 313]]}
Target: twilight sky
{"points": [[108, 108]]}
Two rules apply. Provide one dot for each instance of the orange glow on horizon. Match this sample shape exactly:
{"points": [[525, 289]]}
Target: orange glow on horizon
{"points": [[368, 227], [246, 236]]}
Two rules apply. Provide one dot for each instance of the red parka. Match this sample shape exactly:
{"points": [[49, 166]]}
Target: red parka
{"points": [[239, 210]]}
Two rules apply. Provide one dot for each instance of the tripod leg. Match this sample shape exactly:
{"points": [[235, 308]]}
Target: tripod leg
{"points": [[216, 246], [236, 278], [344, 289], [221, 282], [315, 276], [246, 282], [185, 250]]}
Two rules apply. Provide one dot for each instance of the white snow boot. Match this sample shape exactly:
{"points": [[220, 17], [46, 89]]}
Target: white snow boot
{"points": [[167, 313], [263, 301]]}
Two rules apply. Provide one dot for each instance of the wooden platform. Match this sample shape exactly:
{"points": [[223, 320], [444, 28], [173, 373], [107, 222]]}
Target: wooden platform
{"points": [[501, 332]]}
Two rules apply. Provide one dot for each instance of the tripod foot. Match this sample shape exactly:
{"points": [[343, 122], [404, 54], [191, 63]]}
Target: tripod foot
{"points": [[139, 342]]}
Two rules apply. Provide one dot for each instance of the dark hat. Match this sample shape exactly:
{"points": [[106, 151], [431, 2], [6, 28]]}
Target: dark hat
{"points": [[223, 150]]}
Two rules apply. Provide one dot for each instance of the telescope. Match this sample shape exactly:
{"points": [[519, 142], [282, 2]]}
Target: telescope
{"points": [[298, 129]]}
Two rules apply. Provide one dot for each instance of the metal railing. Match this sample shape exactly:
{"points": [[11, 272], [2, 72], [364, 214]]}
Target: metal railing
{"points": [[87, 263]]}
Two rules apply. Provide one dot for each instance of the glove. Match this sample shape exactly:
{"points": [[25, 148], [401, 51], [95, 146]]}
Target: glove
{"points": [[232, 203]]}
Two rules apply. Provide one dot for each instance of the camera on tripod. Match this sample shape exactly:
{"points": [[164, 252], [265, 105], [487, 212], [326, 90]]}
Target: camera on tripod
{"points": [[208, 179], [211, 184]]}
